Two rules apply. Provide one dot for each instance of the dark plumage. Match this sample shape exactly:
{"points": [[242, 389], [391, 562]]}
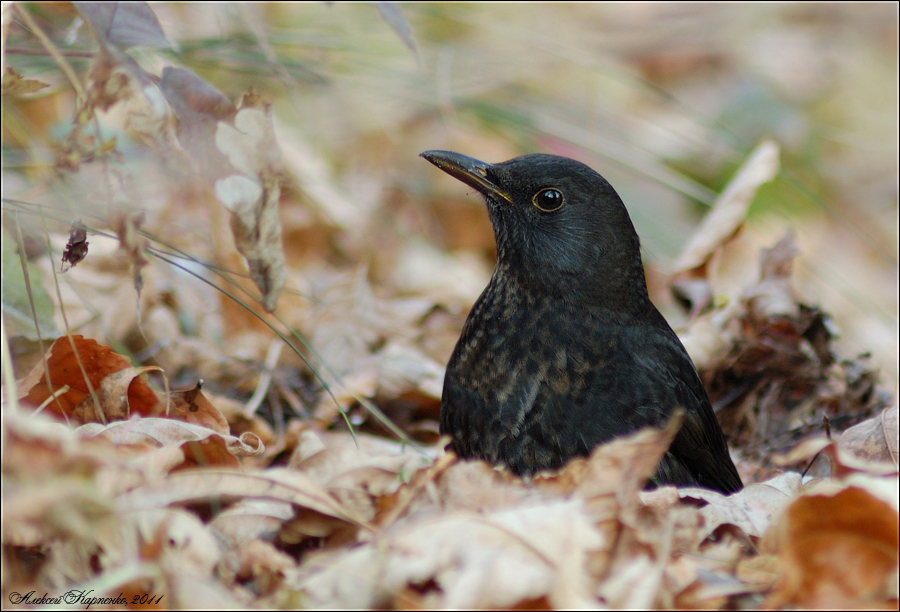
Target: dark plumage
{"points": [[564, 350]]}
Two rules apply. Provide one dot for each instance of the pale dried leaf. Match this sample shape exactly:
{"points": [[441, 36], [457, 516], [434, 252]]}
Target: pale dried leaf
{"points": [[166, 432], [14, 84], [843, 462], [252, 518], [264, 564], [728, 213], [456, 278], [279, 484], [402, 367], [750, 509], [188, 546], [252, 195], [709, 337], [199, 107], [497, 559], [635, 585], [773, 295], [875, 439]]}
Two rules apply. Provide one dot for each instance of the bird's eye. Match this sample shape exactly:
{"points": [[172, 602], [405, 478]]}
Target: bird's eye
{"points": [[548, 200]]}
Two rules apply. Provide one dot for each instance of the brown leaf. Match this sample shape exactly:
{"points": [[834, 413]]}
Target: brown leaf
{"points": [[14, 84], [76, 248], [836, 550], [124, 394], [193, 407]]}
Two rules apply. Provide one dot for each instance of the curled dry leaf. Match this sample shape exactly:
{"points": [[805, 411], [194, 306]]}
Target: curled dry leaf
{"points": [[199, 446], [730, 208], [835, 550], [113, 394], [773, 295], [843, 462], [237, 152], [109, 378], [14, 84], [252, 194], [193, 407], [875, 439], [76, 248]]}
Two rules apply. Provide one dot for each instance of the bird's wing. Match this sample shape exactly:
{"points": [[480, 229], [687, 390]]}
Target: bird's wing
{"points": [[651, 378], [699, 445]]}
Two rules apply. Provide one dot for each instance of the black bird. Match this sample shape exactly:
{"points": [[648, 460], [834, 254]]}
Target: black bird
{"points": [[564, 350]]}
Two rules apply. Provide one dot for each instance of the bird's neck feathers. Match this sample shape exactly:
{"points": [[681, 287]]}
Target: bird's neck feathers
{"points": [[612, 281]]}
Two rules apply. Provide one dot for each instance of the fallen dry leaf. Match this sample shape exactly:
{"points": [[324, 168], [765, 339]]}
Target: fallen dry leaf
{"points": [[836, 550], [252, 193], [875, 439], [192, 406], [750, 509], [110, 380], [496, 559], [843, 462], [730, 208]]}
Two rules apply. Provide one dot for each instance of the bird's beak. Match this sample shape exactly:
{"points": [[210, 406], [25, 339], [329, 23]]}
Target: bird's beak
{"points": [[467, 169]]}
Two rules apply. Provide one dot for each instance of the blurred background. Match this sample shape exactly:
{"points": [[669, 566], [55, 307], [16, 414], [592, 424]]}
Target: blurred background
{"points": [[665, 100]]}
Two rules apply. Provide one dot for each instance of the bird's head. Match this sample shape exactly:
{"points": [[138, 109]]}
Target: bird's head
{"points": [[557, 223]]}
